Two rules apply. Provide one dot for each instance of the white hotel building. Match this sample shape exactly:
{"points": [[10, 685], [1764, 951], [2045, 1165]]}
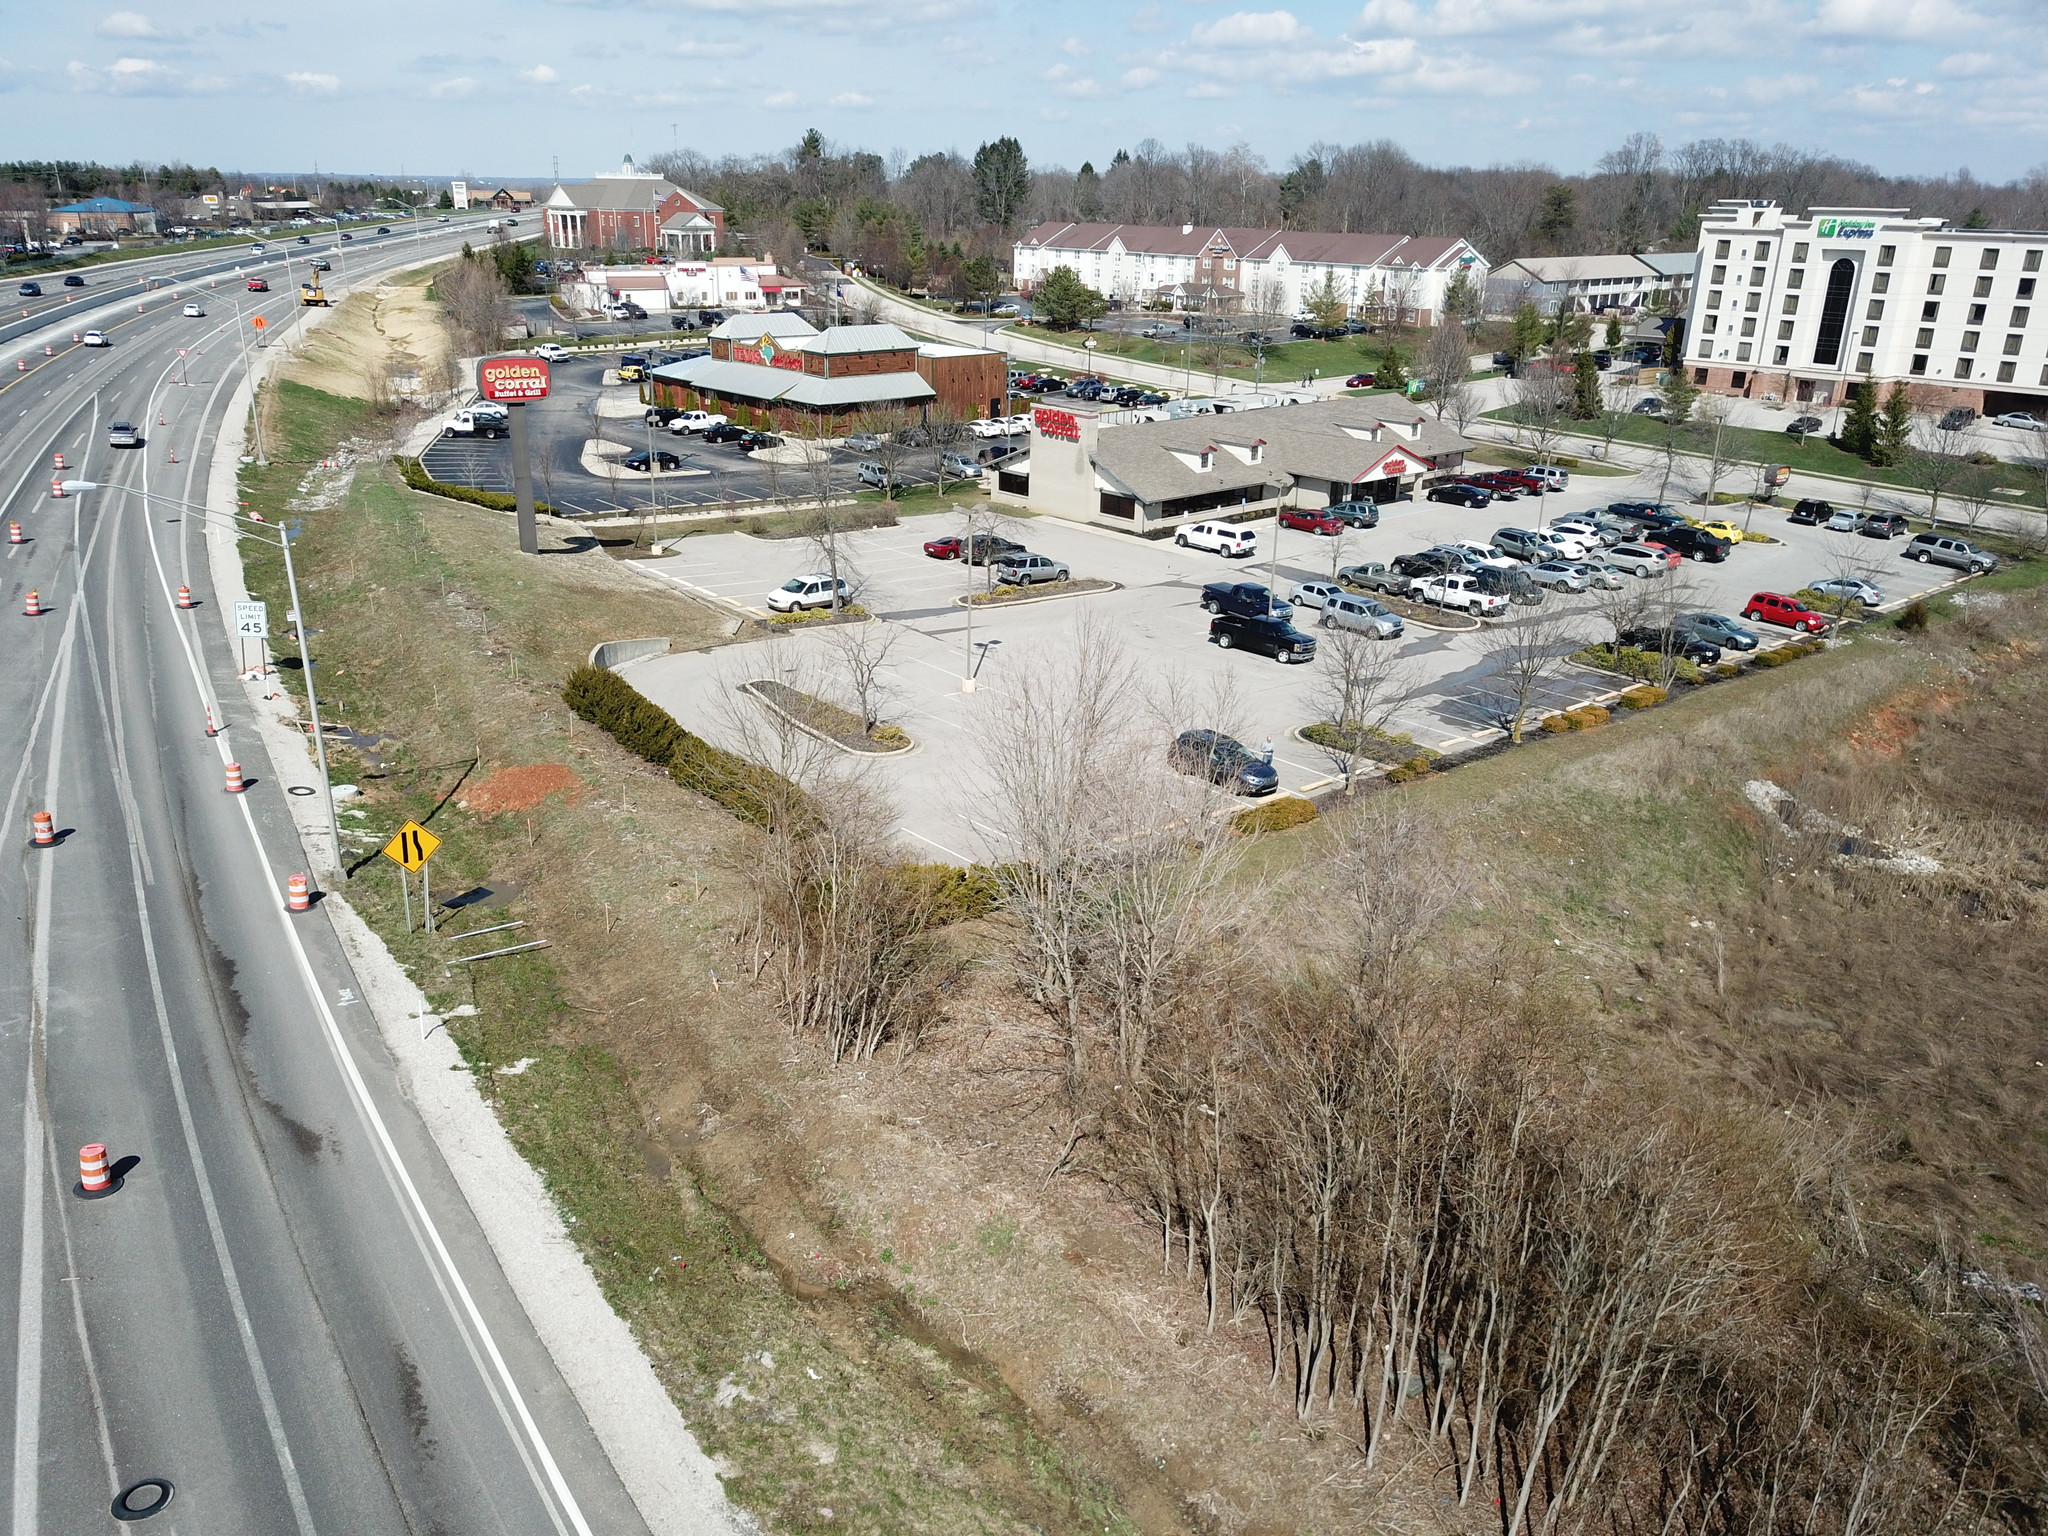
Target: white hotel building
{"points": [[1228, 271], [1801, 308]]}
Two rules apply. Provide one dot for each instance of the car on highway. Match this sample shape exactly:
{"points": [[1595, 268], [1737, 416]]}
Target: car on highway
{"points": [[305, 240], [661, 458], [1777, 608], [1021, 568], [73, 280], [30, 290], [1717, 629], [1310, 520], [812, 591], [95, 339], [2019, 419], [1223, 760], [194, 312], [257, 285], [1461, 495], [322, 264], [257, 248], [1803, 426], [1854, 588], [1376, 577], [382, 229], [1270, 636], [347, 236], [122, 434]]}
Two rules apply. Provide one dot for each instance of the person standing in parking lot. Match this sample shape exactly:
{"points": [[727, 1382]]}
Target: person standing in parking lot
{"points": [[1266, 752]]}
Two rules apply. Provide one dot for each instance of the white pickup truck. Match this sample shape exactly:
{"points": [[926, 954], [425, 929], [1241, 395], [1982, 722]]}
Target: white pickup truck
{"points": [[479, 421], [1460, 592], [685, 422]]}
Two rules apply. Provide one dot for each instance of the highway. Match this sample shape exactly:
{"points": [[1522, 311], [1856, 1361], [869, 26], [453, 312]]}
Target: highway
{"points": [[286, 1312]]}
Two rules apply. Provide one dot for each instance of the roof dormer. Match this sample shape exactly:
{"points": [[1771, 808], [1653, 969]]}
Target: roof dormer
{"points": [[1201, 460], [1253, 452]]}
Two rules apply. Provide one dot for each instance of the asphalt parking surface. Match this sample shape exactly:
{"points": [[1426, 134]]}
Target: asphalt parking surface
{"points": [[1448, 693]]}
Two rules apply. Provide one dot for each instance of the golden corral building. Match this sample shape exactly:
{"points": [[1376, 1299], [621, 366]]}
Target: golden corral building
{"points": [[1151, 477]]}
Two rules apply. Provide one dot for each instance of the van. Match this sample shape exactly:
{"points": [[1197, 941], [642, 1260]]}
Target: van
{"points": [[1225, 539]]}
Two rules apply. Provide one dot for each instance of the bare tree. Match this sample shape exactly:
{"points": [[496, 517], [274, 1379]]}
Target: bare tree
{"points": [[1359, 680], [477, 304], [886, 443], [1712, 419], [1446, 363], [944, 432], [1521, 656], [863, 652], [1938, 458]]}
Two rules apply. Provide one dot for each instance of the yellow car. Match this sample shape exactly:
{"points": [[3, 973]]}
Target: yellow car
{"points": [[1719, 527]]}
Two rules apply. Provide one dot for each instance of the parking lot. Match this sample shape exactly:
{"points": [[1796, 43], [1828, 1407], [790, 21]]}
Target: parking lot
{"points": [[1449, 689]]}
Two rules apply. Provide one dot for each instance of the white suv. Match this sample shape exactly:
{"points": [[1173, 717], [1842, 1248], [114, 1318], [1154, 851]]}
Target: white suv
{"points": [[1226, 539], [814, 591]]}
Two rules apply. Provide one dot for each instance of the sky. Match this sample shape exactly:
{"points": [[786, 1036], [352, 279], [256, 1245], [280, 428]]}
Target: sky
{"points": [[509, 88]]}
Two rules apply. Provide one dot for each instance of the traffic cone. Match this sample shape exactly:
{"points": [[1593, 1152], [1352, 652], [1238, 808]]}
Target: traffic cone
{"points": [[298, 898], [21, 365], [95, 1181], [43, 829], [34, 606], [174, 453], [60, 464], [76, 337], [184, 597], [57, 489], [212, 728], [15, 535], [159, 418], [235, 785], [48, 350]]}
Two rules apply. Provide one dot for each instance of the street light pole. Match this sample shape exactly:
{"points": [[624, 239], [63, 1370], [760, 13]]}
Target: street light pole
{"points": [[255, 404]]}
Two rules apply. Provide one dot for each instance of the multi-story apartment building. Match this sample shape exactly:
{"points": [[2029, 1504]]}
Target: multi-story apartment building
{"points": [[1802, 307], [1257, 271]]}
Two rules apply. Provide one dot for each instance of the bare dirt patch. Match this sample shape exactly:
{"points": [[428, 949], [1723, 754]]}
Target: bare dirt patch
{"points": [[521, 789], [376, 341]]}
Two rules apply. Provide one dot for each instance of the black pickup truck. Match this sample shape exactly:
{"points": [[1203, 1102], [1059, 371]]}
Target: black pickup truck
{"points": [[1246, 599]]}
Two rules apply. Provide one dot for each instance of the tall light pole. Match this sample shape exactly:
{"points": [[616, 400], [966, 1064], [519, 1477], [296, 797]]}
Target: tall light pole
{"points": [[283, 542]]}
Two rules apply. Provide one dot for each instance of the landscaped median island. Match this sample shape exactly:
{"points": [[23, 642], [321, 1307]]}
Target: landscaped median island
{"points": [[819, 618], [1077, 586], [1428, 615], [820, 717]]}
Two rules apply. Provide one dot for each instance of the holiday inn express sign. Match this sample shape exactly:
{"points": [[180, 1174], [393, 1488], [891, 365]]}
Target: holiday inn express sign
{"points": [[1846, 229]]}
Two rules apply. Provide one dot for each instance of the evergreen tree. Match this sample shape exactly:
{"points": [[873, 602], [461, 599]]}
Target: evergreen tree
{"points": [[1560, 213], [1462, 299], [1525, 332], [1859, 420], [1674, 344], [1586, 401], [1392, 372], [1087, 193], [1680, 395], [1063, 301], [980, 280], [1894, 428], [1002, 182], [1613, 332], [1328, 303]]}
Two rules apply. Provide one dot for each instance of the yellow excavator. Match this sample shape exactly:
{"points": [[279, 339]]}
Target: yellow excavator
{"points": [[312, 295]]}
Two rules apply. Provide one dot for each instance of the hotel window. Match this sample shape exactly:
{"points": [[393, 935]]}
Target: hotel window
{"points": [[2026, 288], [1930, 311], [1756, 277], [1976, 316], [1936, 283], [1713, 298], [1795, 277], [1876, 311], [2019, 316], [1919, 364], [1799, 251], [1782, 356], [1720, 250], [1720, 275], [1962, 367], [1742, 353], [1870, 335], [2005, 372], [2012, 344], [1941, 254], [1709, 324], [1791, 303], [1988, 262], [2044, 375], [1784, 330], [1881, 283], [1763, 249], [1885, 253], [1754, 302], [2032, 263], [1749, 327], [1983, 288], [1706, 349], [1864, 360], [1925, 338], [1970, 340]]}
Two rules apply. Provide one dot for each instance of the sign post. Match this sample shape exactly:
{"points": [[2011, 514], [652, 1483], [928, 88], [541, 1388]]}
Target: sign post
{"points": [[512, 382], [411, 846], [252, 622]]}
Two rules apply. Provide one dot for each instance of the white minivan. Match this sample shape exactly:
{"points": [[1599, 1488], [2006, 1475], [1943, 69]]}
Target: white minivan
{"points": [[1225, 539]]}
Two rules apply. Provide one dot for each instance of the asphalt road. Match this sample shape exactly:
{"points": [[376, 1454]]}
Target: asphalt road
{"points": [[287, 1311]]}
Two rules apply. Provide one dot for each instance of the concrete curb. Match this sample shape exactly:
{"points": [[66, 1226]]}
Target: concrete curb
{"points": [[671, 1481], [1049, 597], [751, 688]]}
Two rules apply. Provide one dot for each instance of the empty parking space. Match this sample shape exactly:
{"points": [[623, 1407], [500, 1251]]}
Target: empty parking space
{"points": [[484, 464]]}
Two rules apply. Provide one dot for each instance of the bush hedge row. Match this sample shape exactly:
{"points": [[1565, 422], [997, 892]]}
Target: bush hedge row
{"points": [[417, 477], [1642, 696], [1276, 815]]}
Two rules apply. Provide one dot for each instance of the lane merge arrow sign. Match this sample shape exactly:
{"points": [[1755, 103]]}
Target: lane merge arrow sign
{"points": [[411, 846]]}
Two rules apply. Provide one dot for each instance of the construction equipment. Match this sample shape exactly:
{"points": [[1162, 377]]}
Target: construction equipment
{"points": [[312, 295]]}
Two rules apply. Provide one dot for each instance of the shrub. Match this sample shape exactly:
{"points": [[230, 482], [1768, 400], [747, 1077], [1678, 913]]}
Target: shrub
{"points": [[1774, 658], [1913, 617], [1642, 696], [953, 894], [1586, 716], [1413, 769], [1370, 741], [633, 720], [1829, 603], [817, 615], [1557, 725], [1276, 815], [417, 477], [1727, 669]]}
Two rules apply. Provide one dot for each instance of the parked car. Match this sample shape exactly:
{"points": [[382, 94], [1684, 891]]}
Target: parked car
{"points": [[1242, 597], [951, 547], [122, 434], [1360, 381], [1461, 495], [1672, 641], [1717, 629], [813, 591], [683, 423], [1425, 563], [1313, 594], [1587, 531], [1811, 512], [1226, 539], [1853, 587], [724, 432], [1021, 568], [1503, 487], [661, 458], [1649, 405], [1377, 577], [1310, 520], [1602, 577], [868, 472], [1777, 608], [1559, 576], [551, 351], [1509, 580], [1844, 521], [2019, 419], [1223, 760], [1638, 559], [1672, 558], [1720, 528], [1957, 418], [959, 466], [1695, 544], [750, 442], [1271, 636], [1940, 549], [1354, 514], [986, 547], [1522, 543], [1554, 475], [1803, 426], [1885, 525], [1463, 592], [1348, 610]]}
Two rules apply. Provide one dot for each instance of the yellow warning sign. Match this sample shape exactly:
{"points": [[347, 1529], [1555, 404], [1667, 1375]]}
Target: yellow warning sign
{"points": [[411, 846]]}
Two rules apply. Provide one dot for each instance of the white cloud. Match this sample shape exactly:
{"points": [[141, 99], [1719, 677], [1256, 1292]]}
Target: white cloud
{"points": [[1251, 29], [306, 83], [1149, 21], [1965, 65], [542, 74], [1137, 79], [851, 99], [1074, 48], [141, 77], [705, 50], [1895, 18], [782, 101], [128, 24], [1068, 81], [455, 90]]}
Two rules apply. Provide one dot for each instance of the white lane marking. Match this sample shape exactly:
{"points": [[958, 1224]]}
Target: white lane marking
{"points": [[442, 1264], [938, 845]]}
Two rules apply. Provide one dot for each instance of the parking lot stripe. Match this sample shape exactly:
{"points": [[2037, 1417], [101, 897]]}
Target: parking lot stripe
{"points": [[949, 853]]}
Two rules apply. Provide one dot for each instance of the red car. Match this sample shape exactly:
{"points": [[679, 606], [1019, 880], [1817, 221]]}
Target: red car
{"points": [[1505, 487], [258, 285], [1360, 381], [1311, 520], [1672, 557], [1777, 608], [948, 548]]}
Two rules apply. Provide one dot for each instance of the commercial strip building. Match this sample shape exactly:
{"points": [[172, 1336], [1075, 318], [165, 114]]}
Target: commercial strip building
{"points": [[1592, 284], [1801, 308], [715, 282], [779, 372], [1263, 271], [1150, 478], [103, 217], [633, 210]]}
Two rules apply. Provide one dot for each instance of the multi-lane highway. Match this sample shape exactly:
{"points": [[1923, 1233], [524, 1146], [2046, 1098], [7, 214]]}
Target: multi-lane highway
{"points": [[286, 1312]]}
